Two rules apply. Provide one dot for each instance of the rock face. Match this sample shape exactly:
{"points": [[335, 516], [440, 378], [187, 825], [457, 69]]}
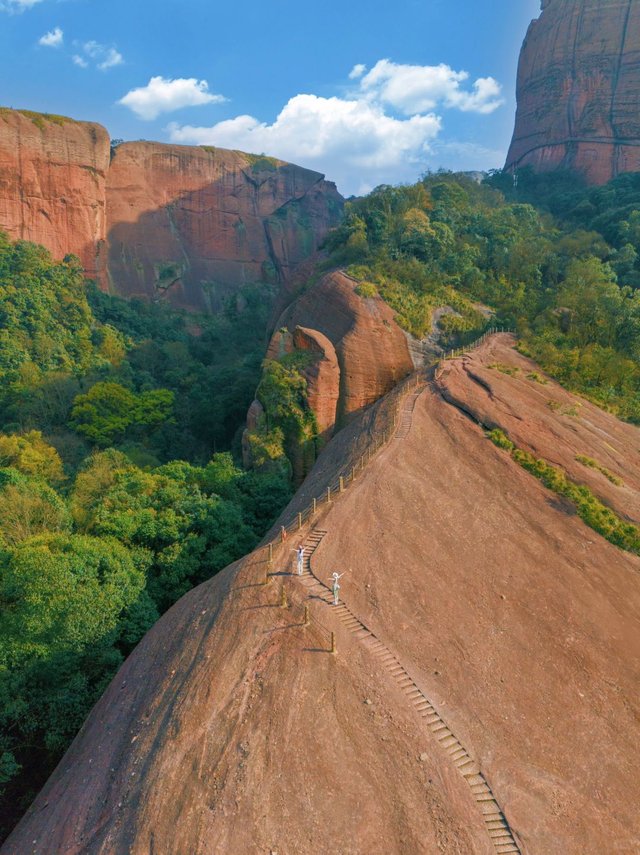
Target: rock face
{"points": [[232, 729], [196, 223], [578, 84], [371, 350], [53, 183], [187, 224]]}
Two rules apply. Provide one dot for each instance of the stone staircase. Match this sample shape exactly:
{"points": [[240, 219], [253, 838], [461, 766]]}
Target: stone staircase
{"points": [[495, 822]]}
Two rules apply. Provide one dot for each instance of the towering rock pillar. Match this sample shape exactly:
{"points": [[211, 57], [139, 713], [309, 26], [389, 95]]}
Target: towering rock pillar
{"points": [[579, 90]]}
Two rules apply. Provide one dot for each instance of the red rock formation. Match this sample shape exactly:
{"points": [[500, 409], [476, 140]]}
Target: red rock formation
{"points": [[186, 223], [52, 183], [197, 223], [371, 349], [322, 376], [578, 84], [231, 729]]}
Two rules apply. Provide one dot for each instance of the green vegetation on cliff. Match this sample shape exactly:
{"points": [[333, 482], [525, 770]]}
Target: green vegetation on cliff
{"points": [[558, 261], [588, 507]]}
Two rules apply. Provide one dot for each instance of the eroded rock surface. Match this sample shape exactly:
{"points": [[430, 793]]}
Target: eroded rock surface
{"points": [[231, 728], [53, 184], [578, 83], [187, 224], [372, 351]]}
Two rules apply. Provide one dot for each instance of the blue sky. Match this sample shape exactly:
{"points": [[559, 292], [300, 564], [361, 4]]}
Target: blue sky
{"points": [[366, 92]]}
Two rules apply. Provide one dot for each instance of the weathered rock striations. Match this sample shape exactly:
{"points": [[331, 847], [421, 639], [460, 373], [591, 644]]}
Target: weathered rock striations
{"points": [[53, 183], [372, 351], [578, 85], [189, 224]]}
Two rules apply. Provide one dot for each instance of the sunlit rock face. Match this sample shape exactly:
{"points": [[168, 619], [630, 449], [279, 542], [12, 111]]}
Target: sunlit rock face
{"points": [[190, 225], [578, 90]]}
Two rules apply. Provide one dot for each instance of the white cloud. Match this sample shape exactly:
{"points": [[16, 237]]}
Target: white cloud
{"points": [[383, 130], [112, 58], [354, 141], [103, 56], [162, 95], [415, 89], [92, 53], [17, 6], [54, 38]]}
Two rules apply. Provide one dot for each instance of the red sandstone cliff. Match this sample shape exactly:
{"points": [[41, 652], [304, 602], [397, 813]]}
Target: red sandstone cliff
{"points": [[52, 183], [578, 84], [190, 224]]}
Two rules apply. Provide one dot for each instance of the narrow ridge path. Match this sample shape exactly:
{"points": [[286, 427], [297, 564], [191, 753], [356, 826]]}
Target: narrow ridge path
{"points": [[406, 413], [494, 819]]}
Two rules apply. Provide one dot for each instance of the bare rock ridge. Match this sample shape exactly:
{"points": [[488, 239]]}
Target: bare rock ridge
{"points": [[578, 85], [483, 698], [189, 224]]}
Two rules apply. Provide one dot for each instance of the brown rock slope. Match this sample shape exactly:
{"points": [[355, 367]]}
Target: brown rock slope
{"points": [[578, 84], [188, 224], [505, 640]]}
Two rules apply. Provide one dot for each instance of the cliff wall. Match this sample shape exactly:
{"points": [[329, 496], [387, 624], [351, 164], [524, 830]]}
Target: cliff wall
{"points": [[578, 84], [187, 224]]}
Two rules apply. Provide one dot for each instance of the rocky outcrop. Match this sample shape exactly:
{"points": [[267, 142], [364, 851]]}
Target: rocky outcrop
{"points": [[53, 183], [187, 224], [578, 84], [322, 376], [196, 223], [371, 350]]}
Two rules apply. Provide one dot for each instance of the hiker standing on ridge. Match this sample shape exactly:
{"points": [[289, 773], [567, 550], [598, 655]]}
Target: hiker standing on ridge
{"points": [[300, 556], [336, 587]]}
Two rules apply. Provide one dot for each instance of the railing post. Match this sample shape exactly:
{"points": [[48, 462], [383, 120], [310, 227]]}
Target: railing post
{"points": [[270, 553], [299, 521], [284, 603], [315, 506], [328, 495], [305, 620], [341, 484], [333, 643]]}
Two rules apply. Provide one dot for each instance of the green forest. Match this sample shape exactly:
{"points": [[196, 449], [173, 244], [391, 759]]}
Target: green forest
{"points": [[119, 487], [552, 258], [120, 478]]}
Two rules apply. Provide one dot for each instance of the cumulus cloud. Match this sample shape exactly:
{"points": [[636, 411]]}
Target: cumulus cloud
{"points": [[79, 61], [17, 6], [162, 95], [418, 88], [383, 129], [355, 138], [54, 38]]}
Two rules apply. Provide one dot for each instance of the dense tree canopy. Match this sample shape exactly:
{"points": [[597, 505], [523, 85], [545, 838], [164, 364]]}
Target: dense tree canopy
{"points": [[118, 488]]}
